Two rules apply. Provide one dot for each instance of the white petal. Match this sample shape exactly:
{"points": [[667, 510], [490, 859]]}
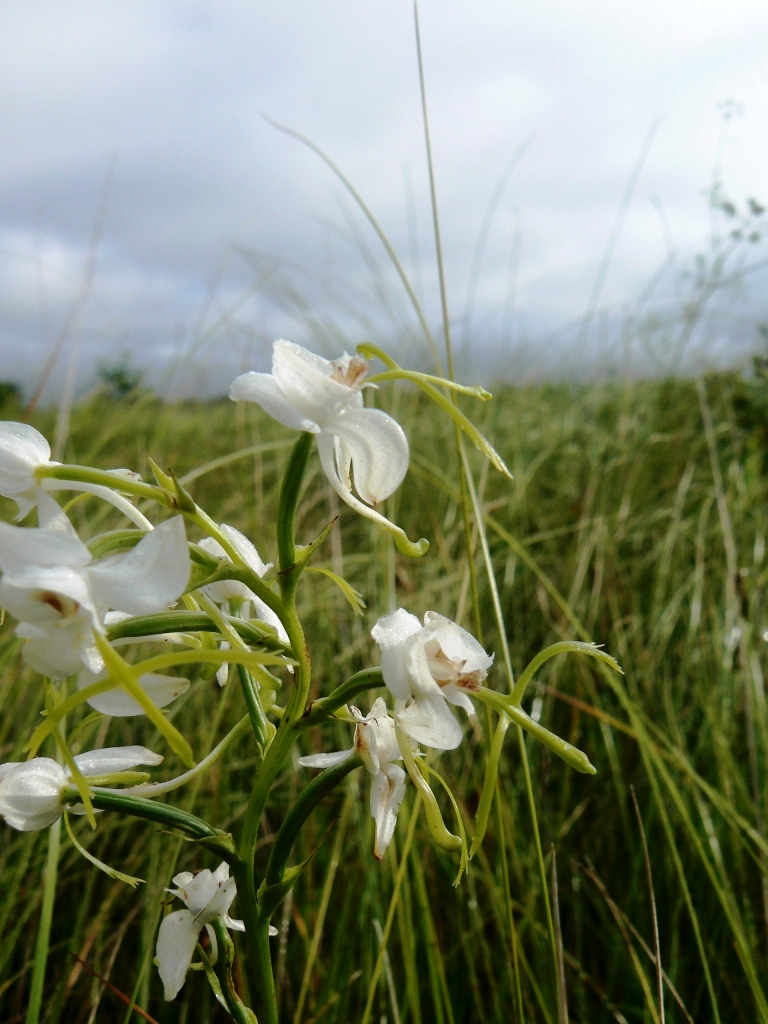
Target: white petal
{"points": [[115, 759], [417, 666], [383, 728], [245, 549], [378, 449], [150, 577], [391, 630], [30, 794], [365, 744], [26, 501], [199, 891], [161, 690], [22, 450], [305, 380], [387, 792], [236, 925], [176, 942], [5, 768], [265, 613], [263, 389], [326, 760], [221, 874], [326, 447], [391, 633], [51, 516], [219, 903], [457, 644], [458, 697], [47, 595], [430, 721], [22, 546], [58, 650]]}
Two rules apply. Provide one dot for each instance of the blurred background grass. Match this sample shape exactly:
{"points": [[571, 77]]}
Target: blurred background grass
{"points": [[636, 518]]}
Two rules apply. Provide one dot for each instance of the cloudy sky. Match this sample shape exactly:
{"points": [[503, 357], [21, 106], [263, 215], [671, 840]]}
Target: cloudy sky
{"points": [[148, 208]]}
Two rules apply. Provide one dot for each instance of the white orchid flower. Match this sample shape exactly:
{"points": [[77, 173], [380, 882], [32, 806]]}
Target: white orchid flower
{"points": [[24, 450], [376, 745], [306, 392], [60, 596], [30, 791], [426, 668], [208, 896]]}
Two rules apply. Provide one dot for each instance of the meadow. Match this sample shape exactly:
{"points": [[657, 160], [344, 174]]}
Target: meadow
{"points": [[636, 518]]}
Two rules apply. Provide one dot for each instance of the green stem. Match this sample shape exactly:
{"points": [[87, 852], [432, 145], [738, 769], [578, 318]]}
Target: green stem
{"points": [[223, 969], [162, 814], [258, 719], [192, 622], [298, 814], [101, 478], [256, 930], [43, 940], [289, 499], [320, 710]]}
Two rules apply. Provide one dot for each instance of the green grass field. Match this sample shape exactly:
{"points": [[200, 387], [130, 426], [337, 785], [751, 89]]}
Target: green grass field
{"points": [[636, 519]]}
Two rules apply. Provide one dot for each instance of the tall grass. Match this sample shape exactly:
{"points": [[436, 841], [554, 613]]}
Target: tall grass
{"points": [[636, 519]]}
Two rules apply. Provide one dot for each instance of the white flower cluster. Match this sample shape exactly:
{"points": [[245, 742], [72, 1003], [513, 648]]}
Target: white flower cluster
{"points": [[425, 668], [65, 599]]}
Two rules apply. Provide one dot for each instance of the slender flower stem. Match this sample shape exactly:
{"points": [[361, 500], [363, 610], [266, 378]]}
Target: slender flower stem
{"points": [[127, 678], [289, 499], [319, 711], [571, 755], [298, 814], [43, 940], [100, 477], [163, 814], [159, 788], [256, 928]]}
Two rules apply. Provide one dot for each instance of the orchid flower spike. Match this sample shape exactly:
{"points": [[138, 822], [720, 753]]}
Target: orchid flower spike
{"points": [[426, 668], [376, 745], [50, 584], [30, 791], [208, 895], [323, 397]]}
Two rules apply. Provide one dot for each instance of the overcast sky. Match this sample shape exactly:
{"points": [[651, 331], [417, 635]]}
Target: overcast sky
{"points": [[147, 207]]}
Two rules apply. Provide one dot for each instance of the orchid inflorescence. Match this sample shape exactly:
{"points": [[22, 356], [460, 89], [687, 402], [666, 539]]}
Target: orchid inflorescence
{"points": [[87, 609]]}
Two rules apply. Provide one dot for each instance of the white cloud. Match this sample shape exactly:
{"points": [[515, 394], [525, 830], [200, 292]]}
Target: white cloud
{"points": [[173, 92]]}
